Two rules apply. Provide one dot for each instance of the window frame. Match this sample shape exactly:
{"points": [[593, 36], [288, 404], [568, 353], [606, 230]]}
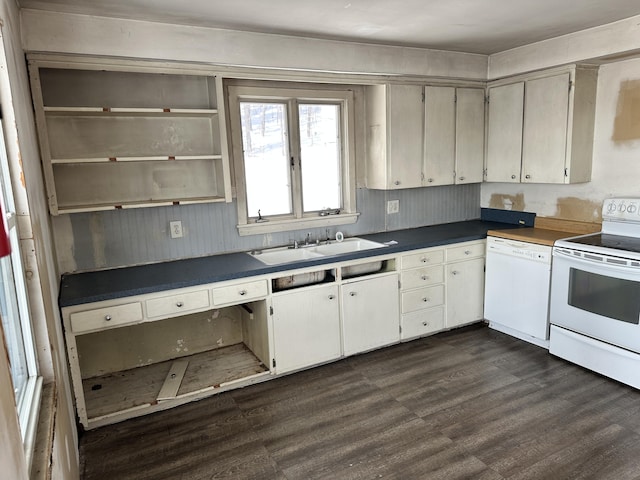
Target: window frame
{"points": [[292, 96], [28, 405]]}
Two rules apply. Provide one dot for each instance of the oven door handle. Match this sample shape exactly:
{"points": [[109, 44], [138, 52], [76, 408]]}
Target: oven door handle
{"points": [[610, 267]]}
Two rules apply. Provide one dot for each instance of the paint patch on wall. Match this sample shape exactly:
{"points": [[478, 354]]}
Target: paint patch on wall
{"points": [[626, 126], [507, 202], [581, 209]]}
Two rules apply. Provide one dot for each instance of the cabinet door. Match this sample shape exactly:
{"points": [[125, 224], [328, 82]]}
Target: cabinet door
{"points": [[439, 135], [504, 133], [546, 110], [370, 313], [465, 292], [469, 135], [306, 327], [405, 110]]}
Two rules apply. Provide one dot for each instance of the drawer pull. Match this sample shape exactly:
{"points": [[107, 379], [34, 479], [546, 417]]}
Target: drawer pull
{"points": [[467, 252], [455, 272], [423, 259], [426, 300], [353, 294], [242, 293], [179, 304], [424, 277], [425, 324], [107, 318], [331, 297]]}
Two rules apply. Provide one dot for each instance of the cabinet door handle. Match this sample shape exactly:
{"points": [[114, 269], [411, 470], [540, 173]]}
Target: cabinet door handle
{"points": [[430, 180], [353, 294], [424, 277], [397, 182], [513, 177], [331, 297], [455, 272], [242, 293], [179, 304], [107, 318], [425, 324], [461, 178], [527, 177]]}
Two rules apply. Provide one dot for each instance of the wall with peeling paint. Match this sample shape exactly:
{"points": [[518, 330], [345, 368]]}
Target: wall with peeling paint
{"points": [[36, 242], [616, 156]]}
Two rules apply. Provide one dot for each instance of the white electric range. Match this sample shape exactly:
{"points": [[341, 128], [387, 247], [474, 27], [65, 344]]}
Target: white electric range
{"points": [[595, 295]]}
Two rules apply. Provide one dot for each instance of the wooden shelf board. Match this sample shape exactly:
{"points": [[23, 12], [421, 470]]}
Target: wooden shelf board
{"points": [[150, 203], [139, 387], [105, 111], [181, 158]]}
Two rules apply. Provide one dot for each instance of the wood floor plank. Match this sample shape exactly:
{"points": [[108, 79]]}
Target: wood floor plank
{"points": [[467, 404]]}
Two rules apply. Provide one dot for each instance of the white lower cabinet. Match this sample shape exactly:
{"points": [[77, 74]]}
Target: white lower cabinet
{"points": [[465, 284], [370, 313], [306, 327]]}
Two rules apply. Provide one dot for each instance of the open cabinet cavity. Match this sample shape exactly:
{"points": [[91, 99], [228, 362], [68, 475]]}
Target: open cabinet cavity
{"points": [[132, 370]]}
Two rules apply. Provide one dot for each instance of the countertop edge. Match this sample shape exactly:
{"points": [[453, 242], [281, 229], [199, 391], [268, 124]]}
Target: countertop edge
{"points": [[250, 267]]}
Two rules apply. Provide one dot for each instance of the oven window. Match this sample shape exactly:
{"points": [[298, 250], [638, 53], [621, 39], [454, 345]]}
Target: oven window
{"points": [[610, 297]]}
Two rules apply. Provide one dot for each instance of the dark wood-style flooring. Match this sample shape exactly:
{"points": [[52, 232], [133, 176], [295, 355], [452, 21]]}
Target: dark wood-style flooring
{"points": [[472, 403]]}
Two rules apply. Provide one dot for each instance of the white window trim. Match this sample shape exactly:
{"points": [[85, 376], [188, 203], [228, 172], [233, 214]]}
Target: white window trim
{"points": [[28, 409], [348, 213]]}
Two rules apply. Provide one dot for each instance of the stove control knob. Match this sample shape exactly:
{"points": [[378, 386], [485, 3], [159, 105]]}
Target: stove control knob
{"points": [[611, 207], [622, 208], [632, 208]]}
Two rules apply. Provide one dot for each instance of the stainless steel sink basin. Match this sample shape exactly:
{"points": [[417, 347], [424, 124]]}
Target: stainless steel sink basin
{"points": [[278, 256]]}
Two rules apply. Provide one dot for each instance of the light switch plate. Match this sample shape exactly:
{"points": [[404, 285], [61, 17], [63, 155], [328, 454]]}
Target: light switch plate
{"points": [[393, 206], [175, 229]]}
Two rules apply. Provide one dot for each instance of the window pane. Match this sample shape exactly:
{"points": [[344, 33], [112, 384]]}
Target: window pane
{"points": [[320, 156], [12, 328], [266, 158]]}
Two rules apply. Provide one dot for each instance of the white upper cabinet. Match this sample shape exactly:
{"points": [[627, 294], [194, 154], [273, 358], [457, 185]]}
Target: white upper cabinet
{"points": [[439, 135], [470, 104], [540, 127], [424, 136], [504, 133], [395, 118]]}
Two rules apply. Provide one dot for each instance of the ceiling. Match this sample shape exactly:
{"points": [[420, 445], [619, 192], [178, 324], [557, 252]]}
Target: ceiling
{"points": [[474, 26]]}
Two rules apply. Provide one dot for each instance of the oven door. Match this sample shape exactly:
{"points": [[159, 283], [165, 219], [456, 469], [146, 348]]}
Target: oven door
{"points": [[599, 298]]}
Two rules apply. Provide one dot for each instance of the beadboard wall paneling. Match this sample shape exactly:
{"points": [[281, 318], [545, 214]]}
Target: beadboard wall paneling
{"points": [[115, 238]]}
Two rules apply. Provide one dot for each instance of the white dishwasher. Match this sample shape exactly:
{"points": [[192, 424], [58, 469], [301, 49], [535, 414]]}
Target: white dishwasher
{"points": [[516, 301]]}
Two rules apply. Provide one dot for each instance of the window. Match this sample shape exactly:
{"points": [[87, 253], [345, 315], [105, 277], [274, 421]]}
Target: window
{"points": [[14, 310], [294, 155]]}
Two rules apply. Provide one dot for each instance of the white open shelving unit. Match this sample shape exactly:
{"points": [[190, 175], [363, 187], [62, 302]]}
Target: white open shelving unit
{"points": [[128, 135]]}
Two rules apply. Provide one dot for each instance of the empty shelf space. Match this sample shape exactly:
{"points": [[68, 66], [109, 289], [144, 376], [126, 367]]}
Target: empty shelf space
{"points": [[139, 387]]}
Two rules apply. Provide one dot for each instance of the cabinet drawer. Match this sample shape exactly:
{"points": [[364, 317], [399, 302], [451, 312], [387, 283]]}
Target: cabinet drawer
{"points": [[422, 298], [106, 317], [464, 252], [177, 304], [239, 293], [428, 257], [421, 277], [422, 322]]}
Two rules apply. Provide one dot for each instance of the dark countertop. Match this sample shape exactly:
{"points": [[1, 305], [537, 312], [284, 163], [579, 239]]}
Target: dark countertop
{"points": [[88, 287]]}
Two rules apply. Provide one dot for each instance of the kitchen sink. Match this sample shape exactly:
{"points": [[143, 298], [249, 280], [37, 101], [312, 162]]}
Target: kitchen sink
{"points": [[349, 245], [278, 256]]}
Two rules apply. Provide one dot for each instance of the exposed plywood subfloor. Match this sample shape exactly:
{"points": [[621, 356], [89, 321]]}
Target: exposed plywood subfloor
{"points": [[141, 386]]}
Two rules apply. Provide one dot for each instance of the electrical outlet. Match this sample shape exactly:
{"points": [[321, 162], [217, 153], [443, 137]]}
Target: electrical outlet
{"points": [[175, 229], [393, 206]]}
